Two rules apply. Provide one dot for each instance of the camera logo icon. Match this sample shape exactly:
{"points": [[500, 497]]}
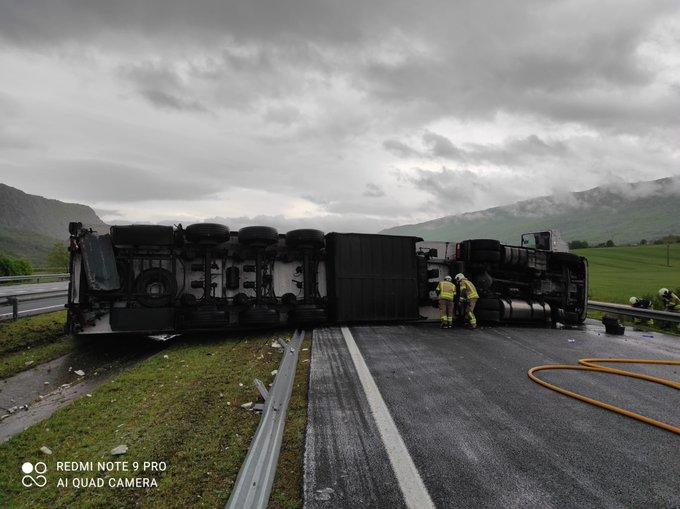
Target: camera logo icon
{"points": [[38, 479]]}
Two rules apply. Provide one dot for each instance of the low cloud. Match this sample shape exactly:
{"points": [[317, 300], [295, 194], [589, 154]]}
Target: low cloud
{"points": [[374, 191]]}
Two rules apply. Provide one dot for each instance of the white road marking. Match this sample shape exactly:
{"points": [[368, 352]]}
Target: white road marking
{"points": [[411, 484]]}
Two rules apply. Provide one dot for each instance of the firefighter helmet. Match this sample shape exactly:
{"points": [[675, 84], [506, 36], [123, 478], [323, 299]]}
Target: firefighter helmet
{"points": [[633, 301], [447, 278], [460, 276], [663, 291]]}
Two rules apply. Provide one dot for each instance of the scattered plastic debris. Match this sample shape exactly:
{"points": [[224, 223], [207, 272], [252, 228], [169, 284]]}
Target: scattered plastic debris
{"points": [[275, 372], [88, 395], [46, 450], [166, 356], [28, 363], [323, 494], [248, 405], [240, 384], [305, 349], [121, 449], [79, 372], [572, 340]]}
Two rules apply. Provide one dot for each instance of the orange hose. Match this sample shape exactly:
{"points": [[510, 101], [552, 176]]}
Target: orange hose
{"points": [[592, 365]]}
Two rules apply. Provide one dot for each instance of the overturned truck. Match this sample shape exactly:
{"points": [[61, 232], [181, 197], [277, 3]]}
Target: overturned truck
{"points": [[161, 279]]}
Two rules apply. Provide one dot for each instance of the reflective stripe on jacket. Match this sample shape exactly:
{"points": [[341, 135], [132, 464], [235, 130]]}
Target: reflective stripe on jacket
{"points": [[446, 290], [468, 290], [673, 304]]}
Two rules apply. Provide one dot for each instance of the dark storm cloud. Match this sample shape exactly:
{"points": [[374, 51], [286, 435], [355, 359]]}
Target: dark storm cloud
{"points": [[558, 60], [514, 151]]}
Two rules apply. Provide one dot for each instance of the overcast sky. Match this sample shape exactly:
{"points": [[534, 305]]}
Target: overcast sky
{"points": [[349, 115]]}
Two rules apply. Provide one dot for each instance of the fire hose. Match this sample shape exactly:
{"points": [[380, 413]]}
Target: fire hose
{"points": [[592, 365]]}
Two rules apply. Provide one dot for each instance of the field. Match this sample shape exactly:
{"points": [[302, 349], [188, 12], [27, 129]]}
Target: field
{"points": [[617, 273]]}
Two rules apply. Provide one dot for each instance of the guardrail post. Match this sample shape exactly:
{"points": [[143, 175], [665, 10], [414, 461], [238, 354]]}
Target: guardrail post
{"points": [[15, 307]]}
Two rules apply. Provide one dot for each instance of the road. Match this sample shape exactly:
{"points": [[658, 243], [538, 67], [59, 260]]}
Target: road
{"points": [[477, 430], [36, 306]]}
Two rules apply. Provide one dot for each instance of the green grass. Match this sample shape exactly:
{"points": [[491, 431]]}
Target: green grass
{"points": [[617, 273], [31, 341], [287, 489], [183, 410]]}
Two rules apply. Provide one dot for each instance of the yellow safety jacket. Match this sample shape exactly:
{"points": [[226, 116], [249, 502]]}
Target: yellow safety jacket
{"points": [[446, 290], [468, 290], [673, 304]]}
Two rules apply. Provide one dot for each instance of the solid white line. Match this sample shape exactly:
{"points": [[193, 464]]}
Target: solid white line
{"points": [[411, 484]]}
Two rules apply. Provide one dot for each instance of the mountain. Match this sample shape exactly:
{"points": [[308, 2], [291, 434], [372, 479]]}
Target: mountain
{"points": [[623, 212], [30, 224]]}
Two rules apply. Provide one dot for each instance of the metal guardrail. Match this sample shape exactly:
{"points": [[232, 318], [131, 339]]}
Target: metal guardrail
{"points": [[254, 482], [14, 300], [37, 277], [621, 309]]}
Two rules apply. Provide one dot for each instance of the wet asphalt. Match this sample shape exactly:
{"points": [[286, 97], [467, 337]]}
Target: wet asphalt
{"points": [[480, 432]]}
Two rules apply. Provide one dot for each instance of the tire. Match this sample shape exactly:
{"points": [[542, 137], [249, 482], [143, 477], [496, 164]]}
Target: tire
{"points": [[258, 236], [305, 238], [485, 245], [560, 257], [485, 256], [486, 315], [308, 314], [123, 268], [489, 305], [142, 235], [259, 316], [154, 279], [207, 233]]}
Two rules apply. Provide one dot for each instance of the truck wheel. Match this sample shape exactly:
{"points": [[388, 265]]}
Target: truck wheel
{"points": [[560, 257], [142, 235], [207, 233], [485, 245], [258, 316], [305, 238], [485, 256], [155, 287], [308, 314], [258, 236], [489, 305], [486, 315]]}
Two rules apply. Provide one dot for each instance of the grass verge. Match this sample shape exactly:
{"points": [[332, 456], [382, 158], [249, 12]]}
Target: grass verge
{"points": [[183, 409], [31, 341], [287, 489]]}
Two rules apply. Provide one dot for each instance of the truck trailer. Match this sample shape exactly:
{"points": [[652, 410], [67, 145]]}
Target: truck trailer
{"points": [[155, 279]]}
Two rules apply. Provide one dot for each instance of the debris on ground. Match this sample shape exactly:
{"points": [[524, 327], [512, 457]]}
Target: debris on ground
{"points": [[324, 494], [166, 356], [121, 449], [28, 363], [248, 405], [275, 372], [305, 349], [46, 450], [240, 384], [46, 383], [571, 340], [79, 372], [88, 395]]}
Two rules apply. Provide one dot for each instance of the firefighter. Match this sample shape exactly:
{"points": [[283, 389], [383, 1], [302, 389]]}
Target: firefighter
{"points": [[468, 293], [670, 300], [641, 304], [446, 290]]}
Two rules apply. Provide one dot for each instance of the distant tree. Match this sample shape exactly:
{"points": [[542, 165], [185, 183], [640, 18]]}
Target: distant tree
{"points": [[58, 257], [643, 242], [609, 243], [14, 266], [578, 244]]}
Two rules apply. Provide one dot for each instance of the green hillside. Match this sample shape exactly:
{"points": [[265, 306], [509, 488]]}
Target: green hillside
{"points": [[624, 213], [33, 247], [617, 273], [30, 224]]}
